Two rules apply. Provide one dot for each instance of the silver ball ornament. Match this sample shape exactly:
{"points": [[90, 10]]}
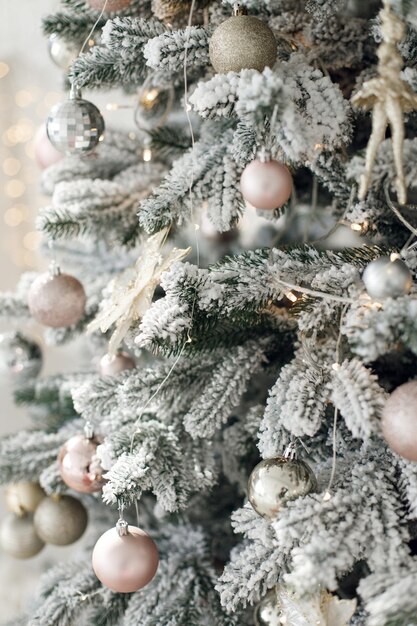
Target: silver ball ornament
{"points": [[63, 53], [242, 42], [387, 277], [56, 300], [18, 536], [20, 357], [23, 497], [75, 126], [60, 520], [268, 611], [274, 482], [399, 421]]}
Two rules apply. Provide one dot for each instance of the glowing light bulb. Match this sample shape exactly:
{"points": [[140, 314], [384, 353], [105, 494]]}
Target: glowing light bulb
{"points": [[147, 154]]}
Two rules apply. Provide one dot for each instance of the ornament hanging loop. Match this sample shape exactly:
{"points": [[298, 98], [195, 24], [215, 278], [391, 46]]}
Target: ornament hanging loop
{"points": [[238, 9], [121, 524], [264, 155], [290, 451], [88, 430]]}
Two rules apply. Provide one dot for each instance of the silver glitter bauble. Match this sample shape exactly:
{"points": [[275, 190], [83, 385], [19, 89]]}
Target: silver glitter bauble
{"points": [[387, 277], [75, 126], [63, 53], [23, 497], [268, 611], [18, 536], [242, 42], [56, 300], [274, 482], [20, 357], [110, 5], [60, 520]]}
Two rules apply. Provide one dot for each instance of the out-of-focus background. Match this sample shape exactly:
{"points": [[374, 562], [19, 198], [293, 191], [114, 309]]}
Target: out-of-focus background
{"points": [[29, 85]]}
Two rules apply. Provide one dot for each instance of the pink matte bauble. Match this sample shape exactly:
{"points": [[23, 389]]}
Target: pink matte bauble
{"points": [[125, 563], [45, 153], [113, 365], [79, 465], [112, 5], [56, 300], [266, 185], [399, 421]]}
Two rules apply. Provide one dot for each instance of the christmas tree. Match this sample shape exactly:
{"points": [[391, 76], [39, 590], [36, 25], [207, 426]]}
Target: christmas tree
{"points": [[242, 264]]}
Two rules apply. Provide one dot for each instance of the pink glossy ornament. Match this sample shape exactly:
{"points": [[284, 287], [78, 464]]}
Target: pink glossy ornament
{"points": [[266, 185], [399, 421], [80, 466], [56, 300], [113, 365], [125, 563], [112, 5], [45, 153]]}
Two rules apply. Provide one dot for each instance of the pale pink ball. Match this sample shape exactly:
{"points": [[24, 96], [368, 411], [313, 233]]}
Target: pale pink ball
{"points": [[125, 563], [399, 421], [113, 365], [56, 300], [266, 185], [112, 5], [79, 465], [45, 154]]}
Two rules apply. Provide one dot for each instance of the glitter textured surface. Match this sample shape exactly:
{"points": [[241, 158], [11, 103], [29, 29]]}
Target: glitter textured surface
{"points": [[75, 126], [112, 5], [60, 521], [57, 301], [18, 536], [242, 42]]}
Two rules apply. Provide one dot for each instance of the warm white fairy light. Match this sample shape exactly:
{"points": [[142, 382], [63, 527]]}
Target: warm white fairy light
{"points": [[147, 155], [291, 296]]}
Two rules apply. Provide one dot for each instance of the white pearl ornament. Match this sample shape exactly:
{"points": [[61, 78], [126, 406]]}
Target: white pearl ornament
{"points": [[266, 184]]}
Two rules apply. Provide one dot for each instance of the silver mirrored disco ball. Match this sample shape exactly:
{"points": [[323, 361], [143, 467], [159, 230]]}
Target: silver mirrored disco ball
{"points": [[75, 126]]}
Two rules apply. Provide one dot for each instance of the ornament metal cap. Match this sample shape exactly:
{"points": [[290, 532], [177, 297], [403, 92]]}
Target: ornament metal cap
{"points": [[122, 527], [89, 430], [264, 155], [238, 9], [290, 451]]}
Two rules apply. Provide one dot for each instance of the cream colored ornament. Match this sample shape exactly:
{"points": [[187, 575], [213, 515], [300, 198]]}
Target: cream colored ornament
{"points": [[320, 609], [23, 497], [130, 294], [389, 97]]}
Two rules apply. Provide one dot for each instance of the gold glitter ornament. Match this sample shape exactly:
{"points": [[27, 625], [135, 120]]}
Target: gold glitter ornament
{"points": [[389, 97], [176, 12], [242, 42], [110, 6], [60, 520]]}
